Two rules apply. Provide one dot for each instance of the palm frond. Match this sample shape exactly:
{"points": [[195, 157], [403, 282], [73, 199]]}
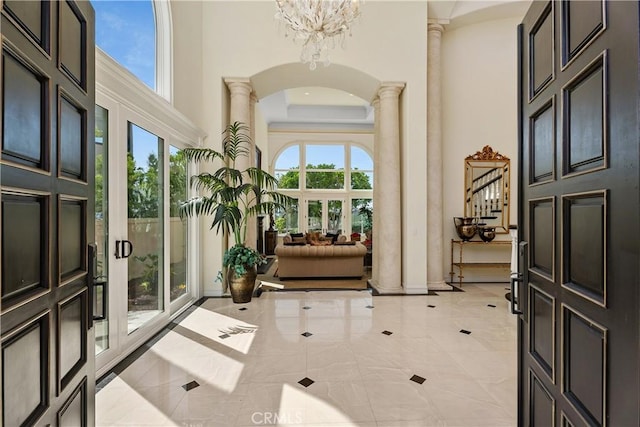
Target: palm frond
{"points": [[226, 218], [206, 181], [236, 140], [202, 154], [233, 176]]}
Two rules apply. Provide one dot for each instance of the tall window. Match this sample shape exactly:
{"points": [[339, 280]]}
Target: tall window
{"points": [[321, 177], [126, 31]]}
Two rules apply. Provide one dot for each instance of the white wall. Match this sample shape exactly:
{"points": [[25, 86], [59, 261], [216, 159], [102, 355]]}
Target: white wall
{"points": [[187, 59], [479, 76]]}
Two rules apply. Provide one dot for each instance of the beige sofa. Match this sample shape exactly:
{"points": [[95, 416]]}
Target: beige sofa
{"points": [[310, 261]]}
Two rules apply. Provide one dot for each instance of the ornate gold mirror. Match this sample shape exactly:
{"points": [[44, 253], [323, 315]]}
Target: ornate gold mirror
{"points": [[486, 186]]}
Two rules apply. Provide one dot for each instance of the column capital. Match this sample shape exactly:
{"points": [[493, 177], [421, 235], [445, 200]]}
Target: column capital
{"points": [[239, 85], [435, 28], [390, 89]]}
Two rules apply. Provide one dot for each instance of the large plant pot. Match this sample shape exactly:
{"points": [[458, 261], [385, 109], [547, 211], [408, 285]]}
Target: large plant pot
{"points": [[241, 287]]}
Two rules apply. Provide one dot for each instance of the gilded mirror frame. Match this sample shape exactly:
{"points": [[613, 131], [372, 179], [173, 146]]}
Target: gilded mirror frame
{"points": [[486, 188]]}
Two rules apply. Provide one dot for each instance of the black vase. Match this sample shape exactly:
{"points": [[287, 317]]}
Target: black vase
{"points": [[487, 233]]}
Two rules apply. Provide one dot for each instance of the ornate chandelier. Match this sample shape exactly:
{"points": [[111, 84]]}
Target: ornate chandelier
{"points": [[317, 23]]}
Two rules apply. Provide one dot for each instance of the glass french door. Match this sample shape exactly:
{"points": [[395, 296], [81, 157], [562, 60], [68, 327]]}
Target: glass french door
{"points": [[325, 214], [142, 243]]}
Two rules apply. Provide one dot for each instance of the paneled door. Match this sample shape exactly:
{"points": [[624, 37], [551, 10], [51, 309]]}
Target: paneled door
{"points": [[578, 215], [47, 213]]}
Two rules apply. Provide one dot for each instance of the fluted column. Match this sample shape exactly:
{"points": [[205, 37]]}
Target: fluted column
{"points": [[435, 241], [388, 208], [377, 197], [240, 106]]}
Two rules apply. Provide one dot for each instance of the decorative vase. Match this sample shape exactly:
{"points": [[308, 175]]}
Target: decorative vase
{"points": [[487, 233], [466, 227], [242, 287]]}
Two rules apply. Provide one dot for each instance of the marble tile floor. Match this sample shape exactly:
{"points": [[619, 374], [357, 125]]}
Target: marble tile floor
{"points": [[325, 358]]}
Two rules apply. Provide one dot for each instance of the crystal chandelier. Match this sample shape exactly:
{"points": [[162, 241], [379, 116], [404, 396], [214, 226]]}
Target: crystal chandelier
{"points": [[317, 23]]}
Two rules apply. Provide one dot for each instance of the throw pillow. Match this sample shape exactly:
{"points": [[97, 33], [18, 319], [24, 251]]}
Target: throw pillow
{"points": [[332, 237]]}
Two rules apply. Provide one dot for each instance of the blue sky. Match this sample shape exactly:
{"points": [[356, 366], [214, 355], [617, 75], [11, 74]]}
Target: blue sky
{"points": [[125, 30]]}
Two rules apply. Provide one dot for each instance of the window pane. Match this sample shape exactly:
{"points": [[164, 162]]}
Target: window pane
{"points": [[360, 159], [321, 155], [289, 159], [177, 225], [101, 230], [145, 231], [288, 179], [325, 180], [314, 215], [361, 215], [126, 31], [361, 180], [286, 221]]}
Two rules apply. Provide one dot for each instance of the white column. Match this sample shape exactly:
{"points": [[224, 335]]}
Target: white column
{"points": [[377, 197], [435, 239], [240, 111], [388, 209]]}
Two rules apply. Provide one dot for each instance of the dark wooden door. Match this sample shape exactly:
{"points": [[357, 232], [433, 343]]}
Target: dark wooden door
{"points": [[48, 374], [578, 212]]}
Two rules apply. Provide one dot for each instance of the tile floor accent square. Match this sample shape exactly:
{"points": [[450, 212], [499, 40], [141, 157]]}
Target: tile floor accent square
{"points": [[306, 334], [387, 332], [223, 336], [306, 382], [464, 331], [191, 385], [417, 379]]}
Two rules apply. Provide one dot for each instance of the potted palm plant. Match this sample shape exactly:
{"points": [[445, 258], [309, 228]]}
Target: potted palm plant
{"points": [[233, 196]]}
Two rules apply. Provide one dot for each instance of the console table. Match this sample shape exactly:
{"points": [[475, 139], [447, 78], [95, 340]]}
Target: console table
{"points": [[461, 264]]}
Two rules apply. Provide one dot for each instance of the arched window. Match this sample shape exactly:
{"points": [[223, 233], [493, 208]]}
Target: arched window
{"points": [[137, 34]]}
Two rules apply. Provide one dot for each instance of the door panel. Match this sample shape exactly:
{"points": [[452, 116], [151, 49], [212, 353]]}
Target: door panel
{"points": [[578, 345], [48, 372]]}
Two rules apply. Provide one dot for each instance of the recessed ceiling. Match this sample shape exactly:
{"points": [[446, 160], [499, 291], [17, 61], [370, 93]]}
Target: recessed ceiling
{"points": [[322, 96], [316, 106]]}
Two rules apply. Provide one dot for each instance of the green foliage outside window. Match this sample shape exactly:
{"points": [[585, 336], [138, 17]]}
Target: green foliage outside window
{"points": [[317, 178]]}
